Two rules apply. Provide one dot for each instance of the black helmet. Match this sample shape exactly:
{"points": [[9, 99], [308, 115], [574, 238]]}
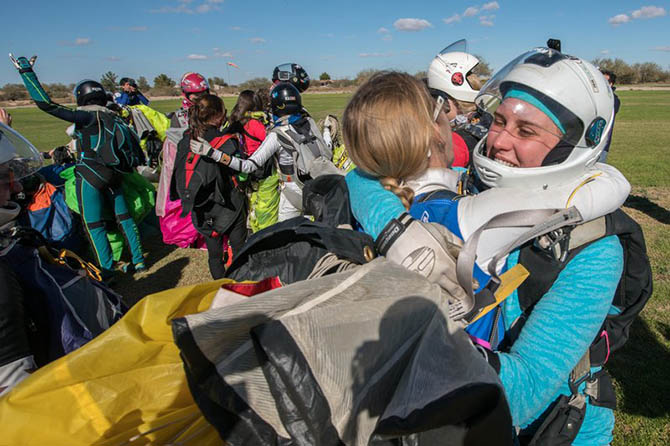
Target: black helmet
{"points": [[285, 99], [127, 80], [293, 73], [89, 91]]}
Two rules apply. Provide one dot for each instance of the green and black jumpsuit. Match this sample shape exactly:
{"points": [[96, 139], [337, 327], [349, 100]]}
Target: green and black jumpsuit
{"points": [[98, 182]]}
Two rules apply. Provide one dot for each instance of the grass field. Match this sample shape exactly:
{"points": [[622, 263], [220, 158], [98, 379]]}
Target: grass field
{"points": [[640, 149]]}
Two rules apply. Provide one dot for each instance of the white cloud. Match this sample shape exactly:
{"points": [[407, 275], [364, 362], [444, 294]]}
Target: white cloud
{"points": [[80, 41], [387, 38], [486, 20], [411, 25], [182, 8], [490, 6], [257, 40], [604, 52], [619, 19], [219, 53], [236, 28], [196, 57], [383, 30], [648, 12], [375, 55], [113, 58], [189, 7], [471, 11], [138, 29], [662, 48], [454, 18]]}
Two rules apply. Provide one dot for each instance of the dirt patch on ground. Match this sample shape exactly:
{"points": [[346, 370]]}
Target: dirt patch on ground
{"points": [[643, 87]]}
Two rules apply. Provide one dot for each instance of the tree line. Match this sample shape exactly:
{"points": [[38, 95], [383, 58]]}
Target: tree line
{"points": [[638, 73], [163, 85]]}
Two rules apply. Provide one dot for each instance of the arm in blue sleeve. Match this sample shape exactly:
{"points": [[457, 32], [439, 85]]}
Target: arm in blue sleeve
{"points": [[372, 205], [123, 99], [142, 98], [560, 329]]}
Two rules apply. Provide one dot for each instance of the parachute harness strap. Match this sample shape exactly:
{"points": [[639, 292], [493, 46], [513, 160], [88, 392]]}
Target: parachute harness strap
{"points": [[329, 264], [538, 222]]}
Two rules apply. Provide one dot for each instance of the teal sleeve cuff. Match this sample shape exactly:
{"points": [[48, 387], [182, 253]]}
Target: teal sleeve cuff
{"points": [[372, 205]]}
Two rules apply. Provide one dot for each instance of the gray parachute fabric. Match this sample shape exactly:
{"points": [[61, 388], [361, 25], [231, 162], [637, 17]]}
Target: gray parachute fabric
{"points": [[360, 357]]}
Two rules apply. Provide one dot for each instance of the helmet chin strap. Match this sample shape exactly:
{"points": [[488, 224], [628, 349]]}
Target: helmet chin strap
{"points": [[558, 154], [9, 212]]}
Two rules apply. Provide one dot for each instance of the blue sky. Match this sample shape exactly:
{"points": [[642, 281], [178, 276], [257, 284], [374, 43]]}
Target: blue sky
{"points": [[76, 40]]}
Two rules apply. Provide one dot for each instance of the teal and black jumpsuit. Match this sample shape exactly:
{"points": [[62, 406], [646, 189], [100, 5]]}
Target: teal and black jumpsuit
{"points": [[98, 172]]}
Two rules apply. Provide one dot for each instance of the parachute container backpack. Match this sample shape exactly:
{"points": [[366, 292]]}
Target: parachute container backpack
{"points": [[342, 359]]}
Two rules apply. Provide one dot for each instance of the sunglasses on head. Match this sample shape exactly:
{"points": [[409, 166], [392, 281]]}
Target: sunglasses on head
{"points": [[440, 103]]}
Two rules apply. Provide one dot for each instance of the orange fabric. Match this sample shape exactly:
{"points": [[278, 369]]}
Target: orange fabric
{"points": [[219, 141], [42, 198]]}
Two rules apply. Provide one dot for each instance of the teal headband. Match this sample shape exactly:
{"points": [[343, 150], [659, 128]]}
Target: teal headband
{"points": [[535, 102]]}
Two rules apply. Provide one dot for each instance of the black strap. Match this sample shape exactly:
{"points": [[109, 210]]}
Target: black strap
{"points": [[250, 135], [391, 232], [439, 194]]}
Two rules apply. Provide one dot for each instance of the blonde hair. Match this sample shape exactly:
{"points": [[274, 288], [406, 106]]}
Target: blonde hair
{"points": [[464, 107], [388, 130]]}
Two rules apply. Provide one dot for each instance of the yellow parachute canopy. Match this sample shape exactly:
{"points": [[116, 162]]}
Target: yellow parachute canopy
{"points": [[125, 387]]}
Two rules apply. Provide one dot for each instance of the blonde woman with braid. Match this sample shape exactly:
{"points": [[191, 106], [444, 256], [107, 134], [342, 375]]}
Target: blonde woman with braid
{"points": [[399, 137]]}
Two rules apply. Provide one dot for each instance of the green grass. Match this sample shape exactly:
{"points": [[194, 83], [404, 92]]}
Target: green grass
{"points": [[47, 132], [640, 149]]}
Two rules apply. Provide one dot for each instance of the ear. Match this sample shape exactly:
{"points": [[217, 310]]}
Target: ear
{"points": [[437, 134]]}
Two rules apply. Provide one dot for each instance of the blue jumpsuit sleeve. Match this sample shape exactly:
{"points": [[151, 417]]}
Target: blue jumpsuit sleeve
{"points": [[123, 99], [143, 99], [560, 329], [372, 205]]}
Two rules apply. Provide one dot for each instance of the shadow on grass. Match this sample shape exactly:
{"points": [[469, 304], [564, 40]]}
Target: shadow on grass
{"points": [[646, 206], [134, 287], [641, 370]]}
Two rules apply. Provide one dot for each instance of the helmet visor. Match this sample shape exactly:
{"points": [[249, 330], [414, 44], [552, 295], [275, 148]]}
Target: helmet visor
{"points": [[285, 72], [17, 155], [518, 106], [460, 46]]}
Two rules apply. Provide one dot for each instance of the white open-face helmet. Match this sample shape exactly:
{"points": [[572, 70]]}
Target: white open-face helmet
{"points": [[17, 153], [449, 71], [572, 93]]}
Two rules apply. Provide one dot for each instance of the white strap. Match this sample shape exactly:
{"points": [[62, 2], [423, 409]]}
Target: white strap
{"points": [[540, 221]]}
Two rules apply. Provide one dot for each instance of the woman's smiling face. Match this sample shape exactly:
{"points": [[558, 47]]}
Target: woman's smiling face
{"points": [[521, 135]]}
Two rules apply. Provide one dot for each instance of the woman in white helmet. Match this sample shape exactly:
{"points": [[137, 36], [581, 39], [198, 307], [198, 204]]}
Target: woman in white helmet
{"points": [[452, 76], [18, 159], [549, 114]]}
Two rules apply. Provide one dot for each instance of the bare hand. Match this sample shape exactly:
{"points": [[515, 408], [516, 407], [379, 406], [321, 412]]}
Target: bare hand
{"points": [[5, 117]]}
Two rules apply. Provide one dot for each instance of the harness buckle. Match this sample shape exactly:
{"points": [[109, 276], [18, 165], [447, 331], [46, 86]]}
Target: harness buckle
{"points": [[555, 244], [575, 383]]}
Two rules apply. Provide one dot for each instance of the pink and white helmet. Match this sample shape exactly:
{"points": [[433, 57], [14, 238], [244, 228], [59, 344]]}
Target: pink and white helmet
{"points": [[449, 71], [192, 83]]}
